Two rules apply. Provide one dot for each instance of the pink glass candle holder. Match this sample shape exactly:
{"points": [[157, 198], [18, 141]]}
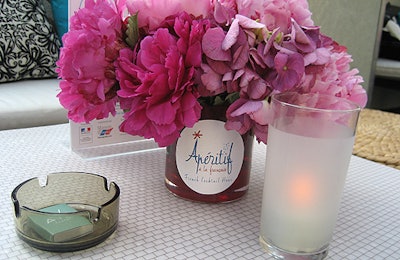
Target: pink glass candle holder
{"points": [[310, 143]]}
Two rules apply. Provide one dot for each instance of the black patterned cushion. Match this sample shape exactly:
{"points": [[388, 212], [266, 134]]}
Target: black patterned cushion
{"points": [[29, 45]]}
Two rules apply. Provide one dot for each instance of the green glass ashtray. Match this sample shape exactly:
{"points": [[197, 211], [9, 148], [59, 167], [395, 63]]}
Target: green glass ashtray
{"points": [[67, 211]]}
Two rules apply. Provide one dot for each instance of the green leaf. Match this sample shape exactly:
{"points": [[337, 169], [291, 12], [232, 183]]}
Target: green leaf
{"points": [[218, 101], [132, 31], [232, 97], [221, 99]]}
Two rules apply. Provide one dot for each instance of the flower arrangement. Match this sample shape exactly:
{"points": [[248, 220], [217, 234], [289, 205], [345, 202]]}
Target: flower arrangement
{"points": [[163, 60]]}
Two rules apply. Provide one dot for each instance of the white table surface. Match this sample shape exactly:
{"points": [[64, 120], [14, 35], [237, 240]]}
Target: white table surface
{"points": [[154, 224]]}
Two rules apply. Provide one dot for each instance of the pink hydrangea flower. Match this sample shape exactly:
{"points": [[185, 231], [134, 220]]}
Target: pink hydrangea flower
{"points": [[274, 14], [289, 70], [279, 14], [334, 77], [245, 115], [304, 60]]}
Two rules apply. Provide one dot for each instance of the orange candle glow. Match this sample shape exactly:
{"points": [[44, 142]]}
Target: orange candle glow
{"points": [[302, 190]]}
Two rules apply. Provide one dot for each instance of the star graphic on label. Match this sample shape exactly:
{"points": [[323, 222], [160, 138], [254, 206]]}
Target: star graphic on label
{"points": [[197, 135]]}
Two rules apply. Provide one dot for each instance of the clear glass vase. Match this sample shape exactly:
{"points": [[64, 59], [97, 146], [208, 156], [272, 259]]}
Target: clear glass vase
{"points": [[208, 163]]}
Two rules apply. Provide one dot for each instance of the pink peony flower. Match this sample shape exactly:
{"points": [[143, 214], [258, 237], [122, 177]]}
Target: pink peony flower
{"points": [[88, 86], [158, 85], [101, 16], [152, 12]]}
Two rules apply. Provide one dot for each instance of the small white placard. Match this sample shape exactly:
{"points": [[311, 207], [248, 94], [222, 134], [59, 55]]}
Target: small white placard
{"points": [[99, 132], [102, 138]]}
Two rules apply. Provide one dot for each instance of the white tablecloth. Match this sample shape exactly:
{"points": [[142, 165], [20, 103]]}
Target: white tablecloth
{"points": [[154, 224]]}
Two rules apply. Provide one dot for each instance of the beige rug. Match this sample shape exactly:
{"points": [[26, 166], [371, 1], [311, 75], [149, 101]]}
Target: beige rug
{"points": [[378, 137]]}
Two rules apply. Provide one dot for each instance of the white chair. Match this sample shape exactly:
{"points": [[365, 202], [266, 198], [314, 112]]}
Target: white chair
{"points": [[386, 92]]}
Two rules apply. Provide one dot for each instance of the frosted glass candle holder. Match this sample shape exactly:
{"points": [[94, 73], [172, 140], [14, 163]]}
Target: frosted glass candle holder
{"points": [[67, 211], [309, 147]]}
